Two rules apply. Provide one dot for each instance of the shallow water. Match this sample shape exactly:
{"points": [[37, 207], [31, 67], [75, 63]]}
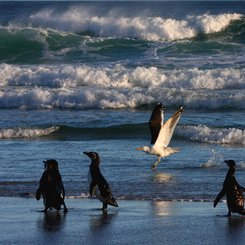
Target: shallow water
{"points": [[76, 78]]}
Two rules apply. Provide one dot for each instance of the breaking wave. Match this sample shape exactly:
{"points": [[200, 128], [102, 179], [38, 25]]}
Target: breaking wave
{"points": [[156, 28], [202, 133], [82, 87], [26, 132]]}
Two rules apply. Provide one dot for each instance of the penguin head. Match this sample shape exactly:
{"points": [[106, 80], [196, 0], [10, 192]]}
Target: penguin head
{"points": [[230, 163], [94, 156], [51, 164]]}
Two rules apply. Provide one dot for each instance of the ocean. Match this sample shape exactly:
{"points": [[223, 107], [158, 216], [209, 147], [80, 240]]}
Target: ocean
{"points": [[85, 76]]}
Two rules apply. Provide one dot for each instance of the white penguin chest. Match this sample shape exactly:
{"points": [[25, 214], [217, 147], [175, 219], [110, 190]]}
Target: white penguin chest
{"points": [[96, 192]]}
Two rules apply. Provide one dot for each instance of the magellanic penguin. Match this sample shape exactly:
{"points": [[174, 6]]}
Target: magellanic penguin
{"points": [[233, 191], [161, 133], [51, 187], [98, 184]]}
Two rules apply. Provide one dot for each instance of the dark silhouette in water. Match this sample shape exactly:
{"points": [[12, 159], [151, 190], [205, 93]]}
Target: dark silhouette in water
{"points": [[51, 187], [96, 179], [233, 191]]}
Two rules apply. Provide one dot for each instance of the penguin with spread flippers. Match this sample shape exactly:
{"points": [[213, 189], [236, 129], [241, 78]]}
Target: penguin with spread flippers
{"points": [[98, 184], [51, 187], [233, 191]]}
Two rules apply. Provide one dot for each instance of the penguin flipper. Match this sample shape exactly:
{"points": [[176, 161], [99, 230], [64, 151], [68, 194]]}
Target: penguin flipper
{"points": [[92, 188], [106, 193], [219, 196], [241, 187]]}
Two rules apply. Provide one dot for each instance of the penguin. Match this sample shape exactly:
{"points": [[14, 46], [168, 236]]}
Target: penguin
{"points": [[51, 187], [97, 182], [232, 190]]}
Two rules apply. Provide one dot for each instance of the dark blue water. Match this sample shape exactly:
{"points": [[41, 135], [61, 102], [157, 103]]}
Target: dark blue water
{"points": [[80, 76]]}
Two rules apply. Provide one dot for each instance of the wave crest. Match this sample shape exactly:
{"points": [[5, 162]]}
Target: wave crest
{"points": [[202, 133], [80, 87], [84, 20], [26, 132]]}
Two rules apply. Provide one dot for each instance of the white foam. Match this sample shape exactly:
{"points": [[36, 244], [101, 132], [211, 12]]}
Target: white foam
{"points": [[81, 196], [215, 160], [215, 23], [120, 77], [113, 24], [26, 132], [206, 134], [69, 86]]}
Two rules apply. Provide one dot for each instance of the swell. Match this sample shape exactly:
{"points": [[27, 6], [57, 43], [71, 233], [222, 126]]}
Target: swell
{"points": [[200, 133], [48, 38]]}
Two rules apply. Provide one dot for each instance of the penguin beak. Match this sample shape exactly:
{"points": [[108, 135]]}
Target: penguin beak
{"points": [[139, 149], [230, 163], [86, 153]]}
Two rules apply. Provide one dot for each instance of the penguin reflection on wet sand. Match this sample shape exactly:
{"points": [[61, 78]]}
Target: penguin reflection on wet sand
{"points": [[233, 191], [98, 184], [51, 187]]}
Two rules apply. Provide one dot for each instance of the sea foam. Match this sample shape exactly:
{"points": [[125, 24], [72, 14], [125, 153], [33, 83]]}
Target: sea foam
{"points": [[26, 132], [81, 86], [203, 133], [113, 24]]}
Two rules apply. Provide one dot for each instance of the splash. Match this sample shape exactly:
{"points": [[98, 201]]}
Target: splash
{"points": [[215, 160]]}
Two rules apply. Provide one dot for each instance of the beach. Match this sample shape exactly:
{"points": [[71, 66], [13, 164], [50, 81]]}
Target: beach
{"points": [[134, 222]]}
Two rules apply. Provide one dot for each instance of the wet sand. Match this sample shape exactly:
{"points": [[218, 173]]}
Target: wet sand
{"points": [[134, 222]]}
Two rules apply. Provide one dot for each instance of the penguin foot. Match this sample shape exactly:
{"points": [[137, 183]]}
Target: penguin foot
{"points": [[104, 208], [65, 210]]}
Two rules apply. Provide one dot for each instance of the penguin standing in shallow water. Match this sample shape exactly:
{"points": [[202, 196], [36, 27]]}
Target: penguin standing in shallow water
{"points": [[98, 184], [51, 187], [233, 191]]}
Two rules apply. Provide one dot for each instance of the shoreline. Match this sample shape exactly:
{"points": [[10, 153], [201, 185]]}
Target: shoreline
{"points": [[133, 222]]}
